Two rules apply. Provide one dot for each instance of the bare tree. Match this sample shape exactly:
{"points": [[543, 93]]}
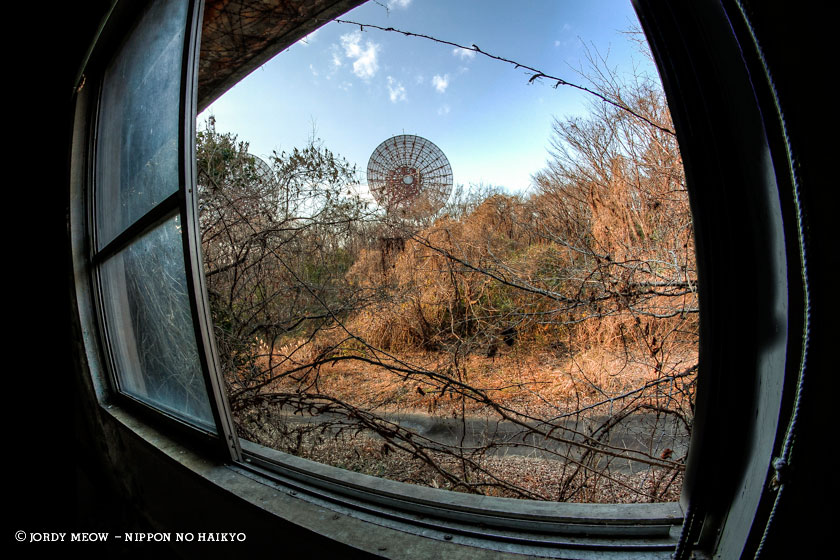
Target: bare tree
{"points": [[545, 346]]}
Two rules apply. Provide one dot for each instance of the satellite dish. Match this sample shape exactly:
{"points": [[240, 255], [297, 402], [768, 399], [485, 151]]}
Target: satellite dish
{"points": [[261, 169], [410, 176]]}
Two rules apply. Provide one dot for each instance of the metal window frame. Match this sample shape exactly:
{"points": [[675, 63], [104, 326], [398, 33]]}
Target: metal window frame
{"points": [[743, 190], [181, 203]]}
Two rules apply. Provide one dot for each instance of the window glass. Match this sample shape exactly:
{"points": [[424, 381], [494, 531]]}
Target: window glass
{"points": [[139, 121], [151, 330], [529, 330], [146, 300]]}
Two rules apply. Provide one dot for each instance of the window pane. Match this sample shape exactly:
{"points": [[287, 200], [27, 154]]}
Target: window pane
{"points": [[137, 145], [151, 330]]}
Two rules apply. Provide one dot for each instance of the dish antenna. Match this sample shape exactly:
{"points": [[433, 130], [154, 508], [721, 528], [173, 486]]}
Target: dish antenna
{"points": [[409, 176], [262, 170]]}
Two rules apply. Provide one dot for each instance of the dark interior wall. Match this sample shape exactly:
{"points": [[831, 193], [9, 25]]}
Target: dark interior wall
{"points": [[61, 477], [42, 390]]}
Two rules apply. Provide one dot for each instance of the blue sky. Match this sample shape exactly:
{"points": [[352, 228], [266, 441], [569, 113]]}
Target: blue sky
{"points": [[356, 88]]}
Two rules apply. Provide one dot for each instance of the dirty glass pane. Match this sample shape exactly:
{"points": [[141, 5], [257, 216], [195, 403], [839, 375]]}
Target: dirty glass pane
{"points": [[137, 142], [148, 319]]}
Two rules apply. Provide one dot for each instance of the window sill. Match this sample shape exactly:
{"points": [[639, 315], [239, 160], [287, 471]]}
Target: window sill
{"points": [[407, 521]]}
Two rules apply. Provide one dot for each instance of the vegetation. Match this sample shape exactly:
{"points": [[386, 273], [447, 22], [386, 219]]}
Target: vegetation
{"points": [[532, 338]]}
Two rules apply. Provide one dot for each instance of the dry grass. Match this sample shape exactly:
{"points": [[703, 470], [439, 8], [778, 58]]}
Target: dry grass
{"points": [[531, 384], [539, 384]]}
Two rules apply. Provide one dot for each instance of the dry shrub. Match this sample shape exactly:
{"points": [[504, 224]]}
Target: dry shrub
{"points": [[494, 276]]}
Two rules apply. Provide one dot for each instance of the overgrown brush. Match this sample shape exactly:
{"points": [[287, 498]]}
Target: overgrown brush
{"points": [[562, 315]]}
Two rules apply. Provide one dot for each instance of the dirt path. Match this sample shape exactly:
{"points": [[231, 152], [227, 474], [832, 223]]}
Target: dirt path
{"points": [[640, 432]]}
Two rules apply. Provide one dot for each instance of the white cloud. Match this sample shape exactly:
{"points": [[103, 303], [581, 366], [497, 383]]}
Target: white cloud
{"points": [[463, 54], [396, 91], [441, 83], [350, 42], [336, 59], [443, 110], [399, 3], [365, 64]]}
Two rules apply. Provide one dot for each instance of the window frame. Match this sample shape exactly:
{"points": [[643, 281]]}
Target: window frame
{"points": [[179, 204], [711, 523], [753, 342]]}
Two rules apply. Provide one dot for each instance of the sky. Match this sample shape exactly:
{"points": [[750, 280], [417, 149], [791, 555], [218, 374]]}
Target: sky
{"points": [[355, 88]]}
